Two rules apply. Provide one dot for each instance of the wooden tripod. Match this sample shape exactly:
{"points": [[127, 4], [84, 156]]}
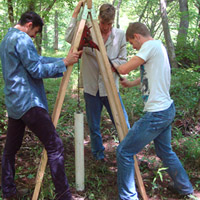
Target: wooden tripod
{"points": [[105, 69]]}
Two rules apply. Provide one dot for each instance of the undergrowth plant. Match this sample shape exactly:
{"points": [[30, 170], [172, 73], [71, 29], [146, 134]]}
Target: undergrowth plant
{"points": [[185, 91], [192, 150]]}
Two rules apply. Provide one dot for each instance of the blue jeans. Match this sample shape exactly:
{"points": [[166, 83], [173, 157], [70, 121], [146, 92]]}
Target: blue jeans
{"points": [[38, 120], [94, 106], [154, 126]]}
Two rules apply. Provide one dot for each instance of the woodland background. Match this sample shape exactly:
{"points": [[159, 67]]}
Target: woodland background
{"points": [[176, 23]]}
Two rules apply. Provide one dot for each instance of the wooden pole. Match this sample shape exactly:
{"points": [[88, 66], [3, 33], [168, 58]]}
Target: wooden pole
{"points": [[57, 109], [113, 98], [89, 4]]}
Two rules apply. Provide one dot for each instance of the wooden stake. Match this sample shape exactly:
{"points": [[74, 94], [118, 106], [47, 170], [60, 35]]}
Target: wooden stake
{"points": [[113, 98], [57, 110], [112, 93], [89, 4]]}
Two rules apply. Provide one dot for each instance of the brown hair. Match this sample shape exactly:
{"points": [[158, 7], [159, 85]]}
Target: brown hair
{"points": [[138, 28], [107, 12]]}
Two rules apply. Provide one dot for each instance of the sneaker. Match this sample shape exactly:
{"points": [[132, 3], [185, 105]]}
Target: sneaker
{"points": [[184, 196], [190, 197], [171, 188]]}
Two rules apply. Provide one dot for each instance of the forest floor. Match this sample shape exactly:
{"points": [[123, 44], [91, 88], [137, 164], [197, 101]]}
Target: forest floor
{"points": [[100, 177]]}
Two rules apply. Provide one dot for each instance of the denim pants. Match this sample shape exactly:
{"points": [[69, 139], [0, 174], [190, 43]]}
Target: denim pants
{"points": [[154, 126], [37, 120], [94, 106]]}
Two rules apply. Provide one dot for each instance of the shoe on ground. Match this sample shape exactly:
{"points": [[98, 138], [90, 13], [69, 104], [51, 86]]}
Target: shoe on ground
{"points": [[189, 196], [13, 197], [20, 195]]}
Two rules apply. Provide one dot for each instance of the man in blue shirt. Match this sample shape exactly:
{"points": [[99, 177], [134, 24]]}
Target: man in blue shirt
{"points": [[26, 103]]}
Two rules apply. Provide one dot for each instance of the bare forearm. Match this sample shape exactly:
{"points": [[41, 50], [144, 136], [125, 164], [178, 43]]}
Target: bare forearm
{"points": [[128, 84], [132, 64], [136, 82]]}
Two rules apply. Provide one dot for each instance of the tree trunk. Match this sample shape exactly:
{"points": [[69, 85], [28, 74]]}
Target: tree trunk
{"points": [[10, 12], [31, 6], [56, 31], [45, 38], [118, 7], [38, 41], [168, 40], [39, 36], [184, 24], [46, 11], [144, 10], [198, 39], [198, 48]]}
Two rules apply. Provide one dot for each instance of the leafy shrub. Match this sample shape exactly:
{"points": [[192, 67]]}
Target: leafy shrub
{"points": [[187, 56], [192, 150], [185, 91]]}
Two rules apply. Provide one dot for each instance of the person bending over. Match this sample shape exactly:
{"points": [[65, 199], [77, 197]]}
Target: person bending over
{"points": [[26, 103], [159, 110]]}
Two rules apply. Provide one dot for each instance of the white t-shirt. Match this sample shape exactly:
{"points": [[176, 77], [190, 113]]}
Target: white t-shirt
{"points": [[155, 76]]}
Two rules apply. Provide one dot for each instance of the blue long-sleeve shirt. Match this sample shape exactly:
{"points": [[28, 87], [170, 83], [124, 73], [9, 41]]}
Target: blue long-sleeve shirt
{"points": [[23, 71]]}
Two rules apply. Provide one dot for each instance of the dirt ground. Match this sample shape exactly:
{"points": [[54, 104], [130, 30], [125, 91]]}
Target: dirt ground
{"points": [[101, 177]]}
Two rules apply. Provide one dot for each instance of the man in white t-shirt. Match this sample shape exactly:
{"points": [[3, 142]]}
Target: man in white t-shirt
{"points": [[159, 110]]}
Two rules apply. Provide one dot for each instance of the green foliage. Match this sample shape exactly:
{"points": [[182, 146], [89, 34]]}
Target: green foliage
{"points": [[132, 99], [187, 56], [177, 134], [64, 17], [48, 190], [185, 90], [4, 19], [159, 174], [133, 102], [130, 51], [192, 150], [70, 104]]}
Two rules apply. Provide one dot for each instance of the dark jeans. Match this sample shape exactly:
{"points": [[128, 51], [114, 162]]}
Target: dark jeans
{"points": [[94, 106], [37, 120]]}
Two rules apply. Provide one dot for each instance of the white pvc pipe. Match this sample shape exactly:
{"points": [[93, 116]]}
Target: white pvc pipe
{"points": [[79, 152]]}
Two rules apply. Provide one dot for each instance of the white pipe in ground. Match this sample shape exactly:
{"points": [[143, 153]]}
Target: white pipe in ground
{"points": [[79, 151]]}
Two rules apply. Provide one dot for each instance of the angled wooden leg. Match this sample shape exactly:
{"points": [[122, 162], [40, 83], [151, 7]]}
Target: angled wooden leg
{"points": [[55, 117], [57, 108], [140, 182], [113, 98]]}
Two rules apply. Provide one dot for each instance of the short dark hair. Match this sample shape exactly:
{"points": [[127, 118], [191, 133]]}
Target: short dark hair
{"points": [[33, 17], [136, 27]]}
